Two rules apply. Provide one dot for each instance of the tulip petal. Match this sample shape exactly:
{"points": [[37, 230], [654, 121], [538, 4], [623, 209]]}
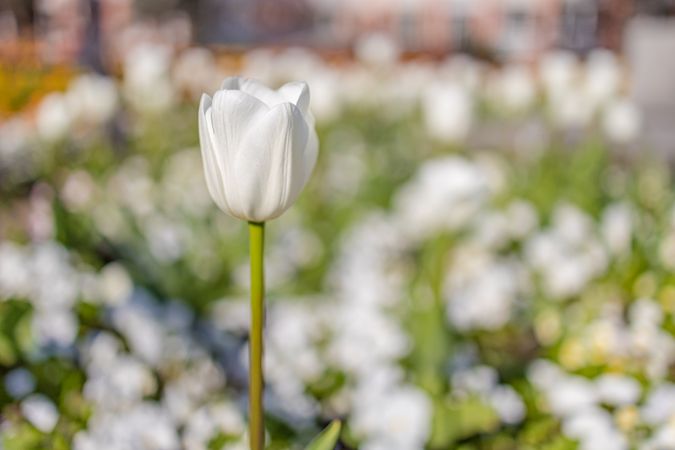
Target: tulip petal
{"points": [[296, 92], [263, 93], [232, 114], [270, 168], [214, 181]]}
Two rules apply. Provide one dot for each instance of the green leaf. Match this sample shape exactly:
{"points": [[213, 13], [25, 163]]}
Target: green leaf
{"points": [[7, 353], [327, 439]]}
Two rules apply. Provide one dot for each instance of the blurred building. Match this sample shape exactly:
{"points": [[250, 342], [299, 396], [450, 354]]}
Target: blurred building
{"points": [[650, 46], [520, 29], [68, 30]]}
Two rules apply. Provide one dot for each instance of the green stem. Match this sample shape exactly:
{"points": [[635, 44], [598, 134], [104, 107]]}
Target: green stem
{"points": [[255, 389]]}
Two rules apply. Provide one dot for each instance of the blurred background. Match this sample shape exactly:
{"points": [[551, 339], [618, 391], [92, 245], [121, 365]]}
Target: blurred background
{"points": [[483, 259]]}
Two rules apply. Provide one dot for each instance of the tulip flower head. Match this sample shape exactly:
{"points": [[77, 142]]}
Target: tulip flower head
{"points": [[259, 146]]}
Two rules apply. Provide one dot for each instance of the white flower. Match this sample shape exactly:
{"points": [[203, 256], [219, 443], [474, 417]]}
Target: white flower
{"points": [[377, 49], [143, 426], [444, 195], [54, 117], [480, 293], [398, 419], [147, 85], [572, 395], [618, 390], [120, 385], [115, 284], [41, 412], [663, 439], [448, 111], [78, 191], [617, 227], [508, 404], [259, 147], [93, 99], [557, 71], [594, 429], [572, 109], [622, 121], [55, 327], [544, 374], [603, 76], [209, 421], [514, 89], [660, 405], [195, 71]]}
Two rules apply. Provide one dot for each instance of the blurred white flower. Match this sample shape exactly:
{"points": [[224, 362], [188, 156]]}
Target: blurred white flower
{"points": [[144, 426], [147, 86], [443, 195], [78, 191], [183, 187], [54, 117], [463, 69], [571, 395], [447, 108], [480, 293], [602, 77], [15, 276], [210, 421], [326, 99], [572, 109], [622, 121], [196, 71], [166, 238], [115, 284], [345, 170], [366, 337], [293, 331], [544, 374], [55, 327], [646, 314], [377, 49], [41, 412], [594, 429], [397, 419], [522, 218], [513, 88], [120, 385], [93, 99], [567, 256], [662, 439], [139, 324], [259, 147], [618, 390], [558, 71], [659, 407], [508, 404], [617, 227]]}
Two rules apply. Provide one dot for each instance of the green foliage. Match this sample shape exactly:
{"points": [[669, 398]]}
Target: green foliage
{"points": [[328, 438]]}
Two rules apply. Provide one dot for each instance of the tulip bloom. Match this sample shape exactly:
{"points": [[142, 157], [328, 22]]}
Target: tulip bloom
{"points": [[258, 146]]}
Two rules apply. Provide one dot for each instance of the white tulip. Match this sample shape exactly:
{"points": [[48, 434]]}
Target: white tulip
{"points": [[258, 146]]}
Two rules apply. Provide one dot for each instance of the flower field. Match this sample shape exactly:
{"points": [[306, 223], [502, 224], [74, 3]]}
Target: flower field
{"points": [[482, 260]]}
